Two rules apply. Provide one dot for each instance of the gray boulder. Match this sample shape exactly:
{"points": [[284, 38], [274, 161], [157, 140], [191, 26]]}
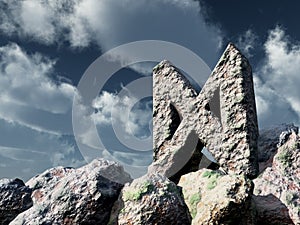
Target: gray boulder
{"points": [[282, 178], [14, 199], [74, 196], [269, 140], [270, 210], [151, 200]]}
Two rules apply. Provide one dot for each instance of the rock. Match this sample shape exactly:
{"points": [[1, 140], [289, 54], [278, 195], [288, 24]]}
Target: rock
{"points": [[270, 210], [282, 179], [14, 199], [215, 198], [269, 140], [152, 199], [74, 196], [184, 120], [42, 183], [284, 136]]}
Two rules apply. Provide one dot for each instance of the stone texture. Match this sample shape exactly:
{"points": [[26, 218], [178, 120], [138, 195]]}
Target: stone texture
{"points": [[14, 199], [214, 198], [42, 183], [151, 200], [269, 140], [270, 210], [231, 135], [282, 179], [74, 196]]}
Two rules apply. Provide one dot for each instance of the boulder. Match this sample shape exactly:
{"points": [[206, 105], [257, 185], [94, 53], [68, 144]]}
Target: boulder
{"points": [[152, 199], [268, 141], [215, 198], [270, 210], [282, 178], [74, 196], [14, 199]]}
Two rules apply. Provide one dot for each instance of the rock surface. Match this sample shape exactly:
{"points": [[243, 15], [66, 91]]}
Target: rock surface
{"points": [[282, 179], [14, 199], [230, 135], [214, 198], [268, 141], [152, 200], [270, 210], [74, 196]]}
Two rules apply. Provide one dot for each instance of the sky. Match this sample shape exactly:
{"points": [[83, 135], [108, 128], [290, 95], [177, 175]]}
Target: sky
{"points": [[46, 47]]}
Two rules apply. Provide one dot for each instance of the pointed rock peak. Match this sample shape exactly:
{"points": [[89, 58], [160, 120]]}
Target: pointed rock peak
{"points": [[233, 63], [232, 53], [232, 48], [163, 64]]}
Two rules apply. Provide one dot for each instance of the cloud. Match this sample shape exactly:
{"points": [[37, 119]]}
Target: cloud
{"points": [[109, 23], [247, 42], [135, 121], [28, 93], [34, 19], [129, 115], [277, 81], [35, 115]]}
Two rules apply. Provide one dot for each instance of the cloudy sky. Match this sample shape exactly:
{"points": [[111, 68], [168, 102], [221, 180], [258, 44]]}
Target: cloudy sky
{"points": [[46, 46]]}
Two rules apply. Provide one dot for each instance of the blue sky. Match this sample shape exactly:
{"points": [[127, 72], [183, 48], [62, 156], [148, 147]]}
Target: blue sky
{"points": [[45, 47]]}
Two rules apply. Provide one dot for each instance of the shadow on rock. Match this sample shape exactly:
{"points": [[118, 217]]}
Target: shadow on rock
{"points": [[270, 210]]}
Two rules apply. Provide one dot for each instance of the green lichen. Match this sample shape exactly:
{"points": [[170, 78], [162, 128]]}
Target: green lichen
{"points": [[194, 199], [212, 179], [137, 194], [129, 195], [207, 173], [122, 211], [285, 157], [193, 213], [210, 173], [212, 183]]}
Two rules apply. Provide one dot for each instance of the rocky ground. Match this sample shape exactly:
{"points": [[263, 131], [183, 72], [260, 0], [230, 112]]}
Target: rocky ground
{"points": [[85, 196]]}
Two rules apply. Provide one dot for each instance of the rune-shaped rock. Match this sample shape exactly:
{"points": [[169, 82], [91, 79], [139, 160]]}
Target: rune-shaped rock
{"points": [[222, 117]]}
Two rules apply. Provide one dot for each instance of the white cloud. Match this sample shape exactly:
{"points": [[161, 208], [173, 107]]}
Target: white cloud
{"points": [[247, 42], [103, 142], [133, 121], [35, 19], [28, 95], [35, 115], [110, 23], [277, 81]]}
